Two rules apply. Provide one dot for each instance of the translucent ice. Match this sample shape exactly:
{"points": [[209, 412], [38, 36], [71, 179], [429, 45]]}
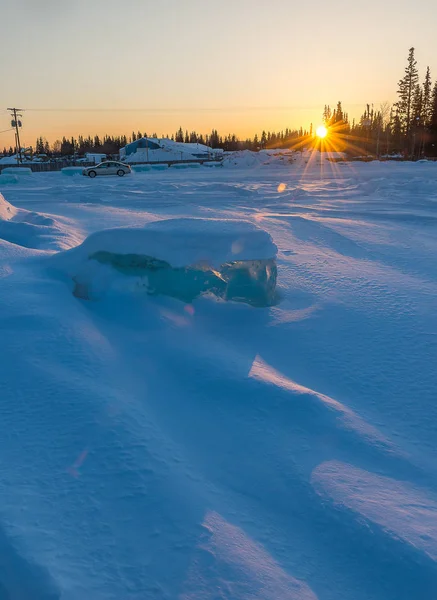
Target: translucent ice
{"points": [[183, 258], [253, 282]]}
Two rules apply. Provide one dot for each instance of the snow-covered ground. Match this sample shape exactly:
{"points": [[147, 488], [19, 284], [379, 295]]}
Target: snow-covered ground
{"points": [[153, 449]]}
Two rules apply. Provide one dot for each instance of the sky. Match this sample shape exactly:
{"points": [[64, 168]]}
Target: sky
{"points": [[106, 66]]}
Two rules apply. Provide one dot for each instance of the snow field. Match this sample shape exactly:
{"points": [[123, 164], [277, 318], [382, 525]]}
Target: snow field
{"points": [[153, 448]]}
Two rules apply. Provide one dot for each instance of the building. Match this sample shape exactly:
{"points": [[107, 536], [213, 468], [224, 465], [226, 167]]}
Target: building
{"points": [[95, 157], [165, 150]]}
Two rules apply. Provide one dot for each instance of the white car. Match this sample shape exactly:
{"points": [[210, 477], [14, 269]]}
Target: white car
{"points": [[109, 167]]}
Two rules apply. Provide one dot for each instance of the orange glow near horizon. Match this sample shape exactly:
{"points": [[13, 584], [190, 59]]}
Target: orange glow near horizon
{"points": [[244, 123]]}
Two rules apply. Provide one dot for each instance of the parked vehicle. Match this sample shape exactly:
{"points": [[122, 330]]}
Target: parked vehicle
{"points": [[109, 167]]}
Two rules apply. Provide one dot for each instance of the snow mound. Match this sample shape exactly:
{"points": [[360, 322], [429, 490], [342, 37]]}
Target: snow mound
{"points": [[33, 230], [179, 242], [72, 171], [248, 159], [182, 258], [17, 171], [8, 160], [7, 211], [244, 159]]}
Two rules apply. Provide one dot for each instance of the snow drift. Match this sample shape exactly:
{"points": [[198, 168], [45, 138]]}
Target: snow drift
{"points": [[162, 450], [34, 230], [183, 258]]}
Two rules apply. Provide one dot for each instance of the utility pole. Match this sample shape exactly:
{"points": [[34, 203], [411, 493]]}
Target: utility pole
{"points": [[16, 112]]}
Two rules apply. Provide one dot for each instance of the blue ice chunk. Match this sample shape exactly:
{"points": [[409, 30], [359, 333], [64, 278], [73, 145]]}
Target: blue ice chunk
{"points": [[7, 179], [72, 171], [141, 168], [17, 171], [251, 281], [186, 166]]}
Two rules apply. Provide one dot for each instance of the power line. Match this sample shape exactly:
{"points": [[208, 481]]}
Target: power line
{"points": [[5, 130], [183, 110]]}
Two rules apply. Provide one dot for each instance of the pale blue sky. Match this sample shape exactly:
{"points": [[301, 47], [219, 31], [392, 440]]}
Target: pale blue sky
{"points": [[249, 63]]}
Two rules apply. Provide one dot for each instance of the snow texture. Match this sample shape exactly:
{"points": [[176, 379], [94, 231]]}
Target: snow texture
{"points": [[179, 242], [159, 449]]}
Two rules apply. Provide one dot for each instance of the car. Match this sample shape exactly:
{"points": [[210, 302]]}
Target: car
{"points": [[109, 167]]}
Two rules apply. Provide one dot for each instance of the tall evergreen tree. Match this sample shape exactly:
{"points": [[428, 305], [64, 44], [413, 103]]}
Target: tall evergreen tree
{"points": [[433, 121], [396, 127], [337, 116], [433, 110], [426, 103], [417, 108], [406, 89], [263, 139], [327, 114]]}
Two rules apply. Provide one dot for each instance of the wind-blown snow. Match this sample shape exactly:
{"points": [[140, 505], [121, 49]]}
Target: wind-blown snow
{"points": [[34, 230], [167, 450], [180, 242], [182, 258], [403, 511]]}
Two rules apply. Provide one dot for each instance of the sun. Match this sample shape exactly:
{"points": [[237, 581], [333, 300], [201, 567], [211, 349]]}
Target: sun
{"points": [[321, 131]]}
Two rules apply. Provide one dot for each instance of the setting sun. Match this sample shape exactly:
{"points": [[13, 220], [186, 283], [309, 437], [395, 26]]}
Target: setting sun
{"points": [[321, 131]]}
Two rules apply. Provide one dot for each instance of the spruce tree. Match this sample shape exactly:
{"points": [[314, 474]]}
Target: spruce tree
{"points": [[433, 122], [406, 89], [417, 107], [433, 109], [263, 139], [327, 114], [426, 103]]}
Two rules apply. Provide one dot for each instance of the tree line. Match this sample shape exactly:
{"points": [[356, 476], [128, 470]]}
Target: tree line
{"points": [[408, 127], [111, 144]]}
